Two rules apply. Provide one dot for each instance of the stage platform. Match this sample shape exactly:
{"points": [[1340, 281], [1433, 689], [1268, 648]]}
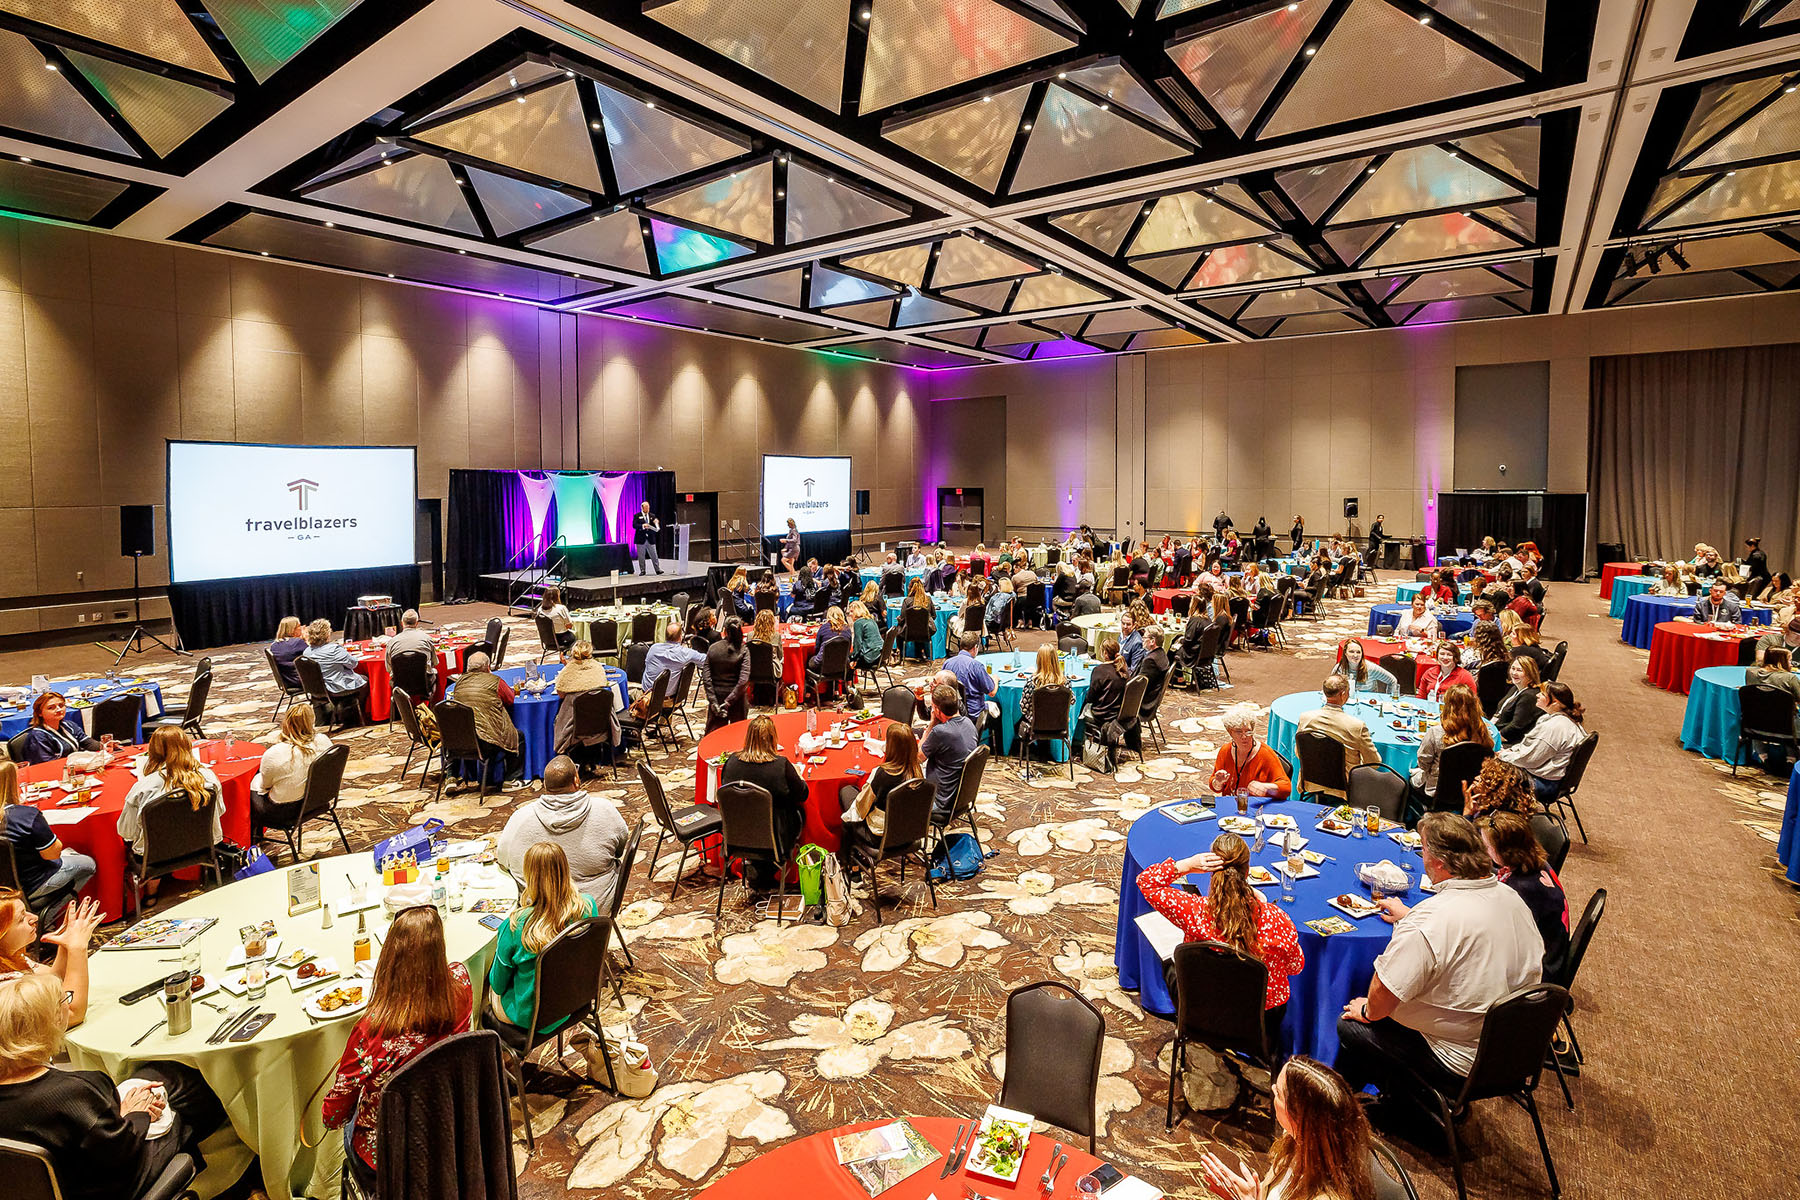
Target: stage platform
{"points": [[700, 580]]}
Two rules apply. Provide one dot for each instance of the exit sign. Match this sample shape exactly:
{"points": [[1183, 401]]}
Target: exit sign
{"points": [[689, 499]]}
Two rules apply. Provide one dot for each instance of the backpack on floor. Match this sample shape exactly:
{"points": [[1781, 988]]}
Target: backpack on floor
{"points": [[958, 857]]}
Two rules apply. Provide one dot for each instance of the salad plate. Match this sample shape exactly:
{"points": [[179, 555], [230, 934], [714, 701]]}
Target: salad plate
{"points": [[1000, 1144]]}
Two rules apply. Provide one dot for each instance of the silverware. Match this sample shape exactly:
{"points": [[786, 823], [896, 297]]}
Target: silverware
{"points": [[221, 1029], [950, 1156], [1044, 1179], [151, 1030], [1062, 1161], [969, 1145], [232, 1025]]}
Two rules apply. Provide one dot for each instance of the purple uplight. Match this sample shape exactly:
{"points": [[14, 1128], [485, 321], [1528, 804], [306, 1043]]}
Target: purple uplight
{"points": [[1062, 348]]}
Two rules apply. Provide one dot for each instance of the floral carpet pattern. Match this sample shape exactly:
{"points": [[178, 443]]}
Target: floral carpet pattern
{"points": [[762, 1033]]}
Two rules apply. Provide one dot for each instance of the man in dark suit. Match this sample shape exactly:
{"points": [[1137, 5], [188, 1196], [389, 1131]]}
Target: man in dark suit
{"points": [[1377, 535], [644, 530], [1153, 666]]}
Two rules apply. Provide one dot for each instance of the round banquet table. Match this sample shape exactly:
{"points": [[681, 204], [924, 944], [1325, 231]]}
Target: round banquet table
{"points": [[1375, 649], [940, 637], [870, 575], [271, 1085], [824, 811], [1095, 624], [1787, 849], [85, 693], [1404, 592], [93, 827], [1679, 648], [1711, 723], [1010, 671], [808, 1167], [582, 622], [371, 660], [798, 641], [1624, 587], [535, 716], [1163, 599], [1644, 612], [1337, 968], [1450, 624], [1399, 748], [1610, 573]]}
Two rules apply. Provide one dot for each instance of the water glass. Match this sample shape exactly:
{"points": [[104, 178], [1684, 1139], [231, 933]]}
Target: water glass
{"points": [[1087, 1185]]}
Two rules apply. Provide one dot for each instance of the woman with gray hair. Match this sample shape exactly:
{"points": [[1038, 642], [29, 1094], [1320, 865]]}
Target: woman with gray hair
{"points": [[1246, 763]]}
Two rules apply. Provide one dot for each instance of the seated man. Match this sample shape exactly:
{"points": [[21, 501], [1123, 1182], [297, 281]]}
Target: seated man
{"points": [[1131, 642], [947, 744], [1086, 602], [915, 558], [1787, 638], [891, 567], [1340, 726], [589, 829], [1153, 664], [490, 698], [1451, 957], [413, 640], [1718, 605], [342, 679], [670, 654], [977, 685]]}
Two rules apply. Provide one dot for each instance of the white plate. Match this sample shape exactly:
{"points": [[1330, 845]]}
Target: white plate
{"points": [[1406, 838], [273, 952], [1357, 913], [280, 963], [1261, 876], [1278, 821], [313, 1010], [1335, 829], [1307, 870], [328, 968], [1237, 825], [977, 1163]]}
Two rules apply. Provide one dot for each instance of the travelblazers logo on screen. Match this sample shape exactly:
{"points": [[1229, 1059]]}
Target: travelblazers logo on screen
{"points": [[300, 528]]}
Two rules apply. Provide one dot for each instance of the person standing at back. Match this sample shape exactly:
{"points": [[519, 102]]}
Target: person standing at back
{"points": [[644, 529]]}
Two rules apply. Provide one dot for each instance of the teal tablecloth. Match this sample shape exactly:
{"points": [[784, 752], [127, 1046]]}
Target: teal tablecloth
{"points": [[1011, 694], [1624, 588], [1406, 591], [1711, 724], [1398, 748], [940, 637]]}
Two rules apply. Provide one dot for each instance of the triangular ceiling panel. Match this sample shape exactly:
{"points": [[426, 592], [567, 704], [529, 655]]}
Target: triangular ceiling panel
{"points": [[1350, 244], [962, 337], [831, 288], [1015, 335], [1120, 87], [1420, 179], [1229, 266], [971, 141], [1070, 324], [155, 29], [798, 44], [1315, 189], [512, 205], [418, 188], [613, 240], [519, 78], [1378, 60], [922, 46], [268, 34], [165, 112], [1170, 269], [916, 309], [1192, 219], [783, 287], [903, 264], [991, 296], [679, 249], [649, 143], [1445, 285], [1721, 105], [1054, 291], [1446, 235], [1102, 228], [962, 259], [1236, 67], [1160, 339], [1772, 131], [1514, 151], [1516, 26], [819, 206], [741, 203], [45, 103], [872, 312], [544, 133], [1124, 320], [1746, 192], [1074, 138], [1290, 301]]}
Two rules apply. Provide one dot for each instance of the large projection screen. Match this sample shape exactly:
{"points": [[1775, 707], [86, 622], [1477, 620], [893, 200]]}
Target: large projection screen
{"points": [[815, 492], [238, 510]]}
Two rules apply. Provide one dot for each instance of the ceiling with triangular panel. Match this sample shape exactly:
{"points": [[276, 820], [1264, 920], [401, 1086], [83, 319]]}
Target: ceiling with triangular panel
{"points": [[939, 182]]}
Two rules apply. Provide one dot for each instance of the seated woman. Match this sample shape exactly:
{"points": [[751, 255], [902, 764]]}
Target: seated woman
{"points": [[1325, 1151], [1498, 787], [727, 677], [836, 626], [582, 673], [1417, 622], [98, 1138], [548, 904], [1366, 678], [865, 636], [1244, 762], [1106, 687], [170, 766], [761, 762], [1443, 672], [997, 609], [767, 629], [1459, 722], [865, 809], [1544, 753], [1525, 868], [1522, 639], [1486, 645], [875, 603], [1231, 912], [419, 997], [287, 646], [280, 782], [1778, 591], [551, 605], [1670, 582], [54, 731], [19, 932], [342, 680], [1049, 673], [744, 598], [1518, 710], [48, 871], [1521, 603], [1442, 588]]}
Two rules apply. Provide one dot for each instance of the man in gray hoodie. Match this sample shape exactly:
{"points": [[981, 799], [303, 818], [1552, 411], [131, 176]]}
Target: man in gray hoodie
{"points": [[590, 831]]}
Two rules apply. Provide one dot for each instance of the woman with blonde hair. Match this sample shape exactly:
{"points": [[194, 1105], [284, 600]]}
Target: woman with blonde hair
{"points": [[548, 904], [1325, 1150], [1518, 710], [551, 605], [1049, 673], [288, 645], [170, 766], [865, 809], [280, 783], [872, 600], [1458, 722]]}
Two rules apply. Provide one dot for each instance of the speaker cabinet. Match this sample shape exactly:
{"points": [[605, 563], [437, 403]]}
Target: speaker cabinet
{"points": [[137, 530]]}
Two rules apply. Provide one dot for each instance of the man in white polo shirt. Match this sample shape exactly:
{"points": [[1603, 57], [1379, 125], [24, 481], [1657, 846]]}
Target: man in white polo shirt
{"points": [[1451, 957]]}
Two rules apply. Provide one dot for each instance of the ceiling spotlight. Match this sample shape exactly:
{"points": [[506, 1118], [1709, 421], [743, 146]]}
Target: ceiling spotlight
{"points": [[1370, 171], [1293, 8], [1656, 264], [649, 104], [987, 99], [863, 15], [1062, 74], [50, 64], [1106, 108], [23, 159], [390, 274], [593, 124], [1027, 125], [1424, 20], [780, 193], [1311, 50], [331, 224], [568, 74], [1790, 87], [462, 251], [512, 81], [597, 215], [1729, 174], [1678, 257], [520, 99]]}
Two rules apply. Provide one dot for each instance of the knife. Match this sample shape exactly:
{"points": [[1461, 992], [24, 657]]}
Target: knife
{"points": [[950, 1158], [233, 1025], [969, 1145], [222, 1026]]}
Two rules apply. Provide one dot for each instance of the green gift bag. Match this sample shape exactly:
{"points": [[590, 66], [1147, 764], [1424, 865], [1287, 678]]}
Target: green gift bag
{"points": [[811, 863]]}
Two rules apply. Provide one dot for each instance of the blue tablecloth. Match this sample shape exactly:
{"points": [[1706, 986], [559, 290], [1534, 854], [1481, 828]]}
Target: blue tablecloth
{"points": [[1399, 748], [1011, 695], [940, 637], [1644, 612], [1627, 586], [14, 721], [1337, 968], [1713, 716], [1404, 592], [1787, 850], [873, 575], [1451, 624], [535, 716]]}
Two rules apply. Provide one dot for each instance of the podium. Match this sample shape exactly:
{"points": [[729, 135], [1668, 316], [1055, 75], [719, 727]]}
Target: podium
{"points": [[683, 533]]}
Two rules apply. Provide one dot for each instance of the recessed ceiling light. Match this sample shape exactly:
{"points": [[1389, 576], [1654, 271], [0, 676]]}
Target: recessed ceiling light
{"points": [[462, 251], [1790, 87], [1027, 125], [987, 99], [1370, 171], [23, 159], [1293, 8], [649, 104], [51, 65], [568, 74], [593, 124], [512, 81], [863, 15], [1062, 74], [1424, 20], [390, 274], [1311, 50], [264, 253], [331, 224], [780, 193], [1106, 108], [520, 99]]}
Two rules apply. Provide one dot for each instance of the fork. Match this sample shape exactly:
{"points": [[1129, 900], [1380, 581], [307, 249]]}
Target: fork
{"points": [[1044, 1180]]}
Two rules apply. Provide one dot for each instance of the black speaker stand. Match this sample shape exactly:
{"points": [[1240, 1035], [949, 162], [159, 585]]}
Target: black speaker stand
{"points": [[862, 537], [134, 641]]}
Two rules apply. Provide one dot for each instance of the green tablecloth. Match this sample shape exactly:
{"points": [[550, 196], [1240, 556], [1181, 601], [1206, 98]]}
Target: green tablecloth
{"points": [[271, 1086], [582, 621]]}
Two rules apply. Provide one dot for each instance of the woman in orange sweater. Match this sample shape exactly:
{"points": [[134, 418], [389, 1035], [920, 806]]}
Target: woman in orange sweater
{"points": [[1246, 763]]}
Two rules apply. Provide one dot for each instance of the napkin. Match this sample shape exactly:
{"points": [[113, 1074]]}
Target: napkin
{"points": [[1387, 873]]}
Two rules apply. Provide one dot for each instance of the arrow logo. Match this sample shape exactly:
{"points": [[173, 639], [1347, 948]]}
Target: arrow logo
{"points": [[809, 487], [303, 490]]}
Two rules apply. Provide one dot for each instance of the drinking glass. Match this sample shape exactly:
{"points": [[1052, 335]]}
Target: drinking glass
{"points": [[1243, 802], [1087, 1185], [1372, 817]]}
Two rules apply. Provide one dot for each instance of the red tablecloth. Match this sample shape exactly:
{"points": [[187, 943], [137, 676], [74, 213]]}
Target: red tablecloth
{"points": [[1612, 571], [808, 1167], [97, 834], [797, 645], [1163, 599], [1375, 649], [824, 811], [371, 660], [1679, 648]]}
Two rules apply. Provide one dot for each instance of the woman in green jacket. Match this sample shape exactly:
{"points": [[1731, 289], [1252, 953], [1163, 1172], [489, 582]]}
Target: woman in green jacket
{"points": [[548, 905], [865, 634]]}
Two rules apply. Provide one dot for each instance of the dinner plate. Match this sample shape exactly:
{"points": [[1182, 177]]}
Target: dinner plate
{"points": [[1357, 908], [312, 1008]]}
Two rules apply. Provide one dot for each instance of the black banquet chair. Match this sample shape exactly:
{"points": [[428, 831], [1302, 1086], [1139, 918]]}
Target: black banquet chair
{"points": [[1053, 1041], [1768, 717], [324, 781], [688, 825], [176, 836], [1220, 1001], [34, 1176], [747, 815], [1321, 763], [456, 1089]]}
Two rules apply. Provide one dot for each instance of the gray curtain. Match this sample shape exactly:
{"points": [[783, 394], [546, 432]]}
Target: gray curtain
{"points": [[1697, 446]]}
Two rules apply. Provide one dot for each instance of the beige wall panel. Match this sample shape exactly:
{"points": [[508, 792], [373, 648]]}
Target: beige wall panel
{"points": [[18, 569], [443, 420], [64, 415], [133, 274], [78, 541], [299, 297], [331, 385], [15, 411], [1351, 396], [1278, 425], [1310, 437], [207, 377], [1245, 432], [390, 392], [203, 284], [56, 263], [490, 375], [10, 280], [267, 368], [135, 371]]}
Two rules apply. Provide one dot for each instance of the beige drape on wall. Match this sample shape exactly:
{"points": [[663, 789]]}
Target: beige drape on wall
{"points": [[1697, 446]]}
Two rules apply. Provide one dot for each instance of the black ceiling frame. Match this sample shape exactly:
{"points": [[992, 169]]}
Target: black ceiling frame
{"points": [[1718, 25]]}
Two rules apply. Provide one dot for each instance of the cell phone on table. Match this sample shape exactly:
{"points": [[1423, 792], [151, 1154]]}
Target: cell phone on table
{"points": [[492, 921], [1108, 1175]]}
